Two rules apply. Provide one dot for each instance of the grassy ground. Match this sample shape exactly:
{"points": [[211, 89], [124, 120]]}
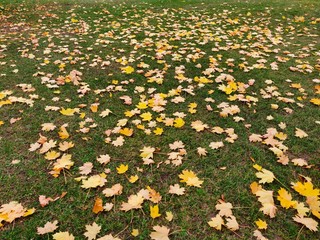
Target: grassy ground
{"points": [[276, 43]]}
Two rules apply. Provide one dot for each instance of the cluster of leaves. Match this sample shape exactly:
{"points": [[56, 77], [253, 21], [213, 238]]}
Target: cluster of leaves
{"points": [[168, 79]]}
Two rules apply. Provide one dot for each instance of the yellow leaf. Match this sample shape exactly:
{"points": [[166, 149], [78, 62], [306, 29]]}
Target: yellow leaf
{"points": [[169, 216], [63, 236], [68, 111], [51, 155], [160, 233], [306, 189], [29, 212], [122, 169], [285, 198], [265, 175], [178, 123], [154, 211], [190, 178], [147, 116], [257, 167], [126, 131], [135, 232], [127, 69], [92, 231], [216, 222], [315, 101], [133, 179], [98, 206], [158, 131], [94, 107], [261, 224], [63, 134]]}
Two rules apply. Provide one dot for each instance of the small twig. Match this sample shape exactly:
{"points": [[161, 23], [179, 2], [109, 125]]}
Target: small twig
{"points": [[298, 236], [87, 195]]}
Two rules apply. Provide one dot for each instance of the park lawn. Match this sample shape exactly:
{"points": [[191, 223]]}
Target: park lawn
{"points": [[210, 96]]}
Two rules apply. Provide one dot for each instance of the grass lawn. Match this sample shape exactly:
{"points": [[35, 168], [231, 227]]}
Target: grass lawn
{"points": [[159, 119]]}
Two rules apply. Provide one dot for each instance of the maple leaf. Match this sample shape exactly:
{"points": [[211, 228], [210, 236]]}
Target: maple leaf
{"points": [[216, 145], [63, 236], [43, 200], [86, 168], [49, 227], [300, 133], [224, 208], [108, 237], [135, 232], [265, 175], [133, 179], [122, 169], [94, 107], [232, 223], [51, 155], [261, 224], [63, 133], [127, 69], [178, 123], [301, 208], [48, 127], [190, 178], [285, 198], [134, 202], [169, 216], [315, 101], [216, 222], [306, 189], [160, 233], [126, 131], [266, 199], [92, 231], [198, 125], [176, 189], [98, 206], [103, 159], [158, 131], [147, 152], [154, 211], [64, 146], [259, 235], [93, 182], [308, 222], [69, 111], [105, 113]]}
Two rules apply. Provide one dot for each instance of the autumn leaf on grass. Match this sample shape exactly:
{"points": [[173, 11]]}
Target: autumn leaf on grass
{"points": [[69, 111], [127, 69], [116, 189], [43, 200], [135, 232], [315, 101], [92, 231], [160, 233], [94, 107], [300, 133], [48, 127], [232, 223], [266, 199], [261, 224], [285, 198], [169, 216], [259, 235], [306, 189], [216, 222], [98, 206], [93, 182], [134, 202], [63, 236], [198, 125], [176, 189], [126, 131], [314, 204], [133, 178], [64, 146], [103, 159], [308, 222], [63, 133], [49, 227], [178, 123], [122, 169], [154, 211], [52, 155], [190, 178], [86, 168], [265, 175], [224, 208]]}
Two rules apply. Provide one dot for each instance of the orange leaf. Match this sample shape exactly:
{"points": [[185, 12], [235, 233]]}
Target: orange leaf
{"points": [[98, 206]]}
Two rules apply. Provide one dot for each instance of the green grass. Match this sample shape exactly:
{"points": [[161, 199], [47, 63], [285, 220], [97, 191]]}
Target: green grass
{"points": [[226, 172]]}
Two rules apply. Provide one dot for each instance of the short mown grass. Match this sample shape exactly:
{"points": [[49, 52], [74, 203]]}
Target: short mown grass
{"points": [[136, 29]]}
